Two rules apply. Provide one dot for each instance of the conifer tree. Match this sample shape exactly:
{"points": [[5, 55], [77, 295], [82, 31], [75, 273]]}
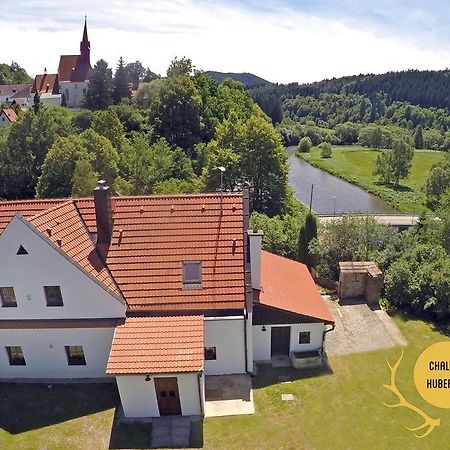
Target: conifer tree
{"points": [[121, 83]]}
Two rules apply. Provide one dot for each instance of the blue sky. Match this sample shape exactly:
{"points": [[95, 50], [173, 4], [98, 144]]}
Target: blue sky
{"points": [[280, 40]]}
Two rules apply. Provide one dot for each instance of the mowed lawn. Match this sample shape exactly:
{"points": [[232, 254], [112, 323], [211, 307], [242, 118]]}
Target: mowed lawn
{"points": [[356, 164], [338, 409]]}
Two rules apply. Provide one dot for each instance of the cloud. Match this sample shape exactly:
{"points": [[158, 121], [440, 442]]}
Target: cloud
{"points": [[278, 41]]}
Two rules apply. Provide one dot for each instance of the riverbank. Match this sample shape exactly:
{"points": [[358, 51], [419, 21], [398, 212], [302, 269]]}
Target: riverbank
{"points": [[355, 164]]}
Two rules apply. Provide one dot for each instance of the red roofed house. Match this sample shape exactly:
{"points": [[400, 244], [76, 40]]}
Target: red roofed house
{"points": [[47, 86], [156, 291], [7, 115], [74, 73]]}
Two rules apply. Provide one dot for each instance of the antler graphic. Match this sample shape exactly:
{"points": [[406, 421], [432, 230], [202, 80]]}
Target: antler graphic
{"points": [[429, 422]]}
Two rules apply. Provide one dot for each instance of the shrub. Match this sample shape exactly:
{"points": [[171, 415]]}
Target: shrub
{"points": [[325, 150], [304, 145]]}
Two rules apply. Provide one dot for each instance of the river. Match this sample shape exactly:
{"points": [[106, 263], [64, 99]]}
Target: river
{"points": [[331, 195]]}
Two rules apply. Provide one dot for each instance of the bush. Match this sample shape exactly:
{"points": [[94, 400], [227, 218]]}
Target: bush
{"points": [[304, 145], [325, 149]]}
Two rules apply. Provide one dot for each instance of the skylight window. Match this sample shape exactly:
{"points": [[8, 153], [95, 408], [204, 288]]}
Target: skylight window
{"points": [[192, 274]]}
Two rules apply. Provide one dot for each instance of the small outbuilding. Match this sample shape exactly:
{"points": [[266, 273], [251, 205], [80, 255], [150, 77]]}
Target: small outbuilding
{"points": [[360, 279]]}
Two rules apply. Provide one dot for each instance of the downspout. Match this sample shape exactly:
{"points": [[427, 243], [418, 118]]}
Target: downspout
{"points": [[333, 326], [245, 341], [200, 397]]}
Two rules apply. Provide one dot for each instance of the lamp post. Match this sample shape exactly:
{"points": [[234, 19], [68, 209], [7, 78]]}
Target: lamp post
{"points": [[222, 170]]}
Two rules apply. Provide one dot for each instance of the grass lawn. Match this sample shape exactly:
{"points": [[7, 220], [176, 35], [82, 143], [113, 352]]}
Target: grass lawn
{"points": [[356, 164], [339, 410]]}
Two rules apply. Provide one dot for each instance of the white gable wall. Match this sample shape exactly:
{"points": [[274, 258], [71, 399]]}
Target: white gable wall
{"points": [[227, 335], [262, 339], [45, 354], [139, 396], [46, 266], [74, 92]]}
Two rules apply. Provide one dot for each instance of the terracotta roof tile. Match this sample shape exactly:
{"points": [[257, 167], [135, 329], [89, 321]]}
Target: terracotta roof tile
{"points": [[157, 345], [45, 84], [158, 234], [63, 225], [10, 114], [288, 285]]}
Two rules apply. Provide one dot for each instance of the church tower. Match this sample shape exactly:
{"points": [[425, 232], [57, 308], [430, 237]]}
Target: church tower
{"points": [[85, 46]]}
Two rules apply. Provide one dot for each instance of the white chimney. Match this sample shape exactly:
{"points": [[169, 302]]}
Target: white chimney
{"points": [[255, 243]]}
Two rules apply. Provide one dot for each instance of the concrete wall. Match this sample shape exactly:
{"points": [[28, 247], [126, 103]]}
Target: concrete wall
{"points": [[45, 354], [138, 396], [262, 339], [74, 92], [227, 335], [46, 266]]}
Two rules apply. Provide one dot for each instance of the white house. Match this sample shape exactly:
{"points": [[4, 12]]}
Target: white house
{"points": [[21, 93], [159, 292], [7, 115]]}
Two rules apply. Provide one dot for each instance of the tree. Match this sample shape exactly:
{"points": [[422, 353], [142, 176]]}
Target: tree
{"points": [[99, 93], [135, 72], [304, 145], [418, 137], [27, 144], [179, 67], [63, 100], [84, 179], [175, 111], [325, 149], [392, 165], [121, 83], [14, 74], [37, 103], [438, 180], [308, 232]]}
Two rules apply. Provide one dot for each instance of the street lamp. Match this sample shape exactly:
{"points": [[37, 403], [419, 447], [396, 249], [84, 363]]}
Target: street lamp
{"points": [[222, 170]]}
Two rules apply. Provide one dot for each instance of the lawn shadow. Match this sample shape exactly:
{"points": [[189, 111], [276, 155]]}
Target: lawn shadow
{"points": [[30, 406], [196, 440], [440, 326], [130, 434], [268, 375]]}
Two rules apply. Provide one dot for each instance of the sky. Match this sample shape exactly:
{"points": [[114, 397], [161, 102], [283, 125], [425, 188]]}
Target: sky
{"points": [[280, 40]]}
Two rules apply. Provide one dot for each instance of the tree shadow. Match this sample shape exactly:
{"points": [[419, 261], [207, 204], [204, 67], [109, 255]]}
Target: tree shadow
{"points": [[395, 187], [30, 406]]}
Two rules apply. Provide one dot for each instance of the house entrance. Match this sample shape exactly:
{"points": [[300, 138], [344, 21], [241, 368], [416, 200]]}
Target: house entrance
{"points": [[281, 339], [168, 396]]}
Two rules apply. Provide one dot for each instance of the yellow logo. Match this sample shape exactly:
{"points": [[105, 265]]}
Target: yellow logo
{"points": [[403, 403], [432, 374]]}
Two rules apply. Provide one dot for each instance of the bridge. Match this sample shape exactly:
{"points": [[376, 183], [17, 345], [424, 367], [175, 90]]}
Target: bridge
{"points": [[399, 221]]}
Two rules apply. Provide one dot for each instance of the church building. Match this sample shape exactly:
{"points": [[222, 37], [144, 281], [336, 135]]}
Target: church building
{"points": [[74, 73]]}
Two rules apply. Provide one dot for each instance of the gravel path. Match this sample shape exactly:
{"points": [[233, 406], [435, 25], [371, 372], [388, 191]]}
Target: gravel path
{"points": [[360, 329]]}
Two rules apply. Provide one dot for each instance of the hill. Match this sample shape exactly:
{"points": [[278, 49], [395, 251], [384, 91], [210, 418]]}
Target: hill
{"points": [[249, 80], [13, 74], [426, 88]]}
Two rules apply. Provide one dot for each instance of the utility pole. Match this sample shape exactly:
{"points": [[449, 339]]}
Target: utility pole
{"points": [[311, 198]]}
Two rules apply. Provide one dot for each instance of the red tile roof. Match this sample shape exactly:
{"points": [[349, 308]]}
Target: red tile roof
{"points": [[153, 235], [10, 114], [157, 345], [63, 225], [70, 69], [45, 84], [288, 285]]}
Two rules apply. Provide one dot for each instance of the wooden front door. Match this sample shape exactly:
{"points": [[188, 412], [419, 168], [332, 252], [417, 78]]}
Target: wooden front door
{"points": [[168, 396], [281, 339]]}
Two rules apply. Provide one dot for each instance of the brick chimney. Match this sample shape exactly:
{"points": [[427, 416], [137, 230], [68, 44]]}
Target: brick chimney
{"points": [[103, 212], [255, 242]]}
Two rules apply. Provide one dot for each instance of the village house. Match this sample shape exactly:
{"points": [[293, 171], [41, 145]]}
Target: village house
{"points": [[7, 115], [47, 86], [158, 292], [20, 93]]}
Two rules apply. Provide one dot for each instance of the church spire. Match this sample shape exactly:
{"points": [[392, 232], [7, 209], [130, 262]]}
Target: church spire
{"points": [[85, 45]]}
